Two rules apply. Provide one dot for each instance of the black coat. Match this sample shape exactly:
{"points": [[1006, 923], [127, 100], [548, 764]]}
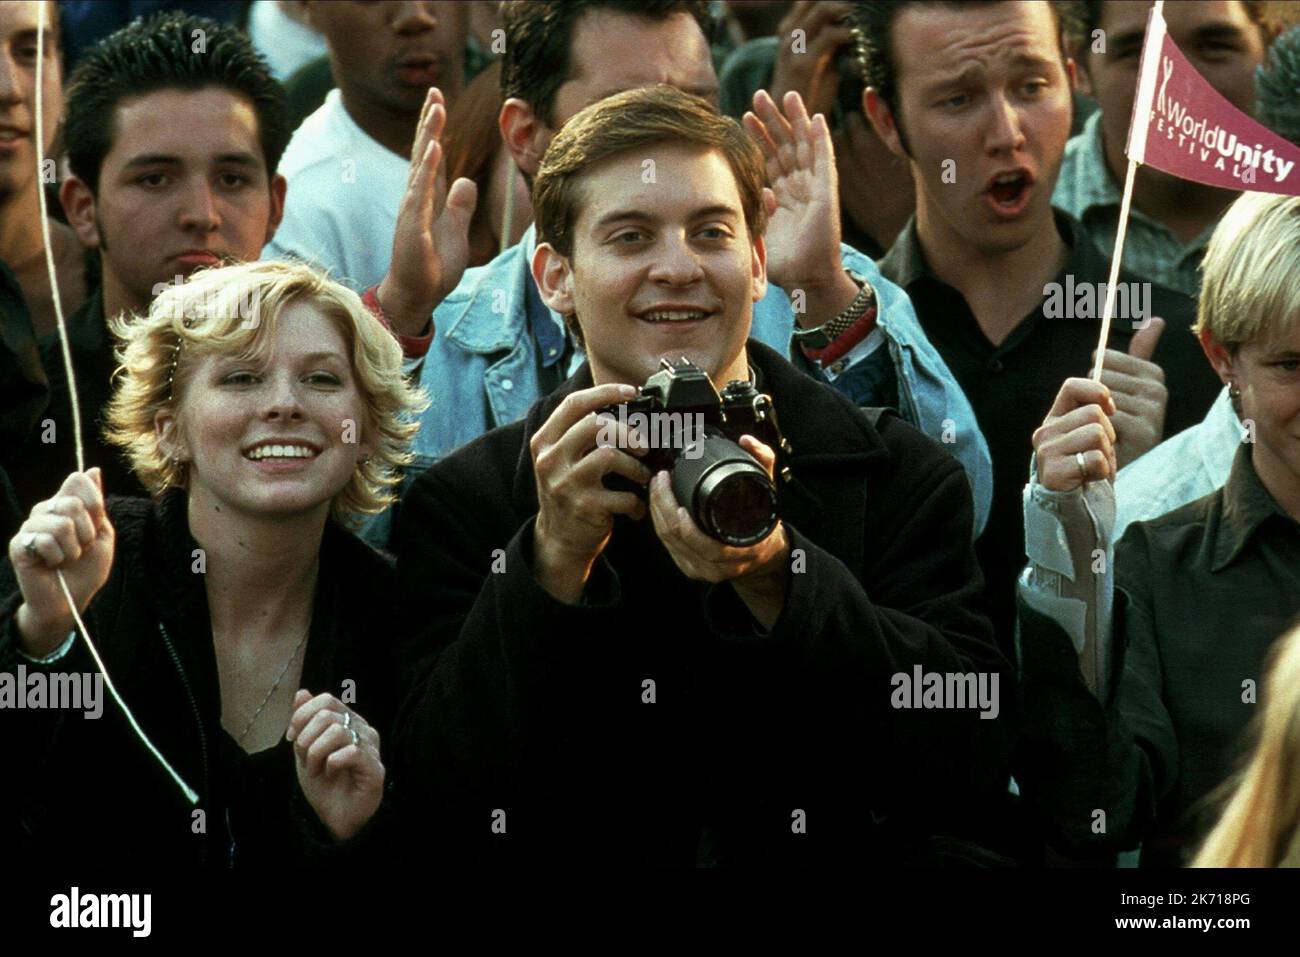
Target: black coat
{"points": [[88, 790], [24, 395], [522, 704]]}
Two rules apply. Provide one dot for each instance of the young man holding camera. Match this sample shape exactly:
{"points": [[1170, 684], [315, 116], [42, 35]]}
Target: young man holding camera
{"points": [[595, 678], [499, 348]]}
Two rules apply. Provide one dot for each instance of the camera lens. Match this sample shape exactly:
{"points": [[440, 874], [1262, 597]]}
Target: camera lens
{"points": [[739, 508], [728, 493]]}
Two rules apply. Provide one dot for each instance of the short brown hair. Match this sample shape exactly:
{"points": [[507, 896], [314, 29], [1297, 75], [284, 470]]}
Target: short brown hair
{"points": [[539, 41], [872, 23], [633, 120]]}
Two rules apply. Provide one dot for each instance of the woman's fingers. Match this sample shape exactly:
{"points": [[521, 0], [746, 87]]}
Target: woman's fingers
{"points": [[1084, 454], [353, 758], [73, 508], [45, 545], [1095, 464], [1076, 442], [54, 536], [1085, 438], [332, 739], [60, 528], [335, 738], [86, 486], [1067, 423], [315, 716], [1077, 392], [306, 708], [320, 722]]}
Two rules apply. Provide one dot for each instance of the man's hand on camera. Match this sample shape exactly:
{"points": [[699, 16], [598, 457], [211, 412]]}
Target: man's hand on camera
{"points": [[759, 573], [575, 515]]}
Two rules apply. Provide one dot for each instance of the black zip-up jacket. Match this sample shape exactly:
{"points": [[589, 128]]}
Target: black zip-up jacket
{"points": [[528, 730], [87, 791]]}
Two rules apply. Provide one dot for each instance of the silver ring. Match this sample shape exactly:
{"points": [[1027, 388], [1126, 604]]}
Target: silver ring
{"points": [[30, 546], [1083, 468], [347, 720], [356, 738]]}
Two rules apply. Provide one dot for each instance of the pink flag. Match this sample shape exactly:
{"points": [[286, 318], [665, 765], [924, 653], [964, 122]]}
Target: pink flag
{"points": [[1183, 126]]}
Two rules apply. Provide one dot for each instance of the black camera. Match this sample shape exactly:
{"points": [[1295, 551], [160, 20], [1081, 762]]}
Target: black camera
{"points": [[693, 431]]}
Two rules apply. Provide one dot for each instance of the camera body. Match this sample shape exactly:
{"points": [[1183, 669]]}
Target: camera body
{"points": [[693, 431]]}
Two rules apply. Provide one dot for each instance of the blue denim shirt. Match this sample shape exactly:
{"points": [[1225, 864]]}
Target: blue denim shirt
{"points": [[481, 368]]}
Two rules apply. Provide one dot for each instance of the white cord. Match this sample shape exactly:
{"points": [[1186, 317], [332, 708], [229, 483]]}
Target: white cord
{"points": [[39, 137]]}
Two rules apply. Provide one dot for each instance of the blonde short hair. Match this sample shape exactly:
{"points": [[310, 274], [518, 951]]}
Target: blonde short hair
{"points": [[1251, 273], [234, 310]]}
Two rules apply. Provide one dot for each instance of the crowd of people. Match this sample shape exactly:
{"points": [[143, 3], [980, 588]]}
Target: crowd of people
{"points": [[353, 295]]}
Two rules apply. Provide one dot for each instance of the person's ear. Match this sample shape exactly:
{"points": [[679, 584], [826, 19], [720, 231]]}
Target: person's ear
{"points": [[554, 277], [1074, 74], [167, 430], [1219, 355], [525, 135], [79, 207], [882, 121], [279, 189], [758, 269]]}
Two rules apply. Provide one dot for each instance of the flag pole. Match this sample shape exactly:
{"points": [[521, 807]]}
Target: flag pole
{"points": [[1108, 308], [1136, 152]]}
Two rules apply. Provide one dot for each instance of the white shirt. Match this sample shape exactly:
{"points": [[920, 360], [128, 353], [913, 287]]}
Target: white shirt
{"points": [[344, 193], [284, 42], [1181, 469]]}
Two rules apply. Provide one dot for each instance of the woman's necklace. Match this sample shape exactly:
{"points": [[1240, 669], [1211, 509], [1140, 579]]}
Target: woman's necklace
{"points": [[283, 671]]}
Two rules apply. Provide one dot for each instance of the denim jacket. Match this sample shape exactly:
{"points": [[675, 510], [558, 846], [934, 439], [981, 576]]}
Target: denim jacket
{"points": [[481, 368]]}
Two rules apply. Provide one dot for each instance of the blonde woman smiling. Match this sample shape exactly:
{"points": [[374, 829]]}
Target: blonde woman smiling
{"points": [[262, 406]]}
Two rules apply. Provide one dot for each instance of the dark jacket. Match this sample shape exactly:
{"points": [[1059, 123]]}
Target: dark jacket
{"points": [[521, 704], [88, 790], [11, 516], [1202, 594], [48, 452], [1013, 384], [91, 345], [24, 392]]}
